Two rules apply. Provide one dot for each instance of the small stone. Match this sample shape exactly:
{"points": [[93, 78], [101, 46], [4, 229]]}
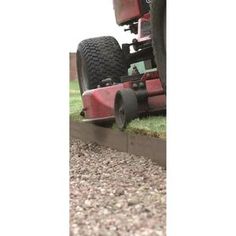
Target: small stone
{"points": [[88, 203], [106, 211], [119, 205], [146, 210], [159, 233], [119, 192], [91, 196], [103, 191], [132, 201]]}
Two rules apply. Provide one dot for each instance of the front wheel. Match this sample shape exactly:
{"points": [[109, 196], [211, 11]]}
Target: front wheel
{"points": [[97, 59]]}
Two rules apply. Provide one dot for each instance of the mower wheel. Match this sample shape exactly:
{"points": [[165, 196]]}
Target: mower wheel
{"points": [[158, 23], [126, 107], [97, 59]]}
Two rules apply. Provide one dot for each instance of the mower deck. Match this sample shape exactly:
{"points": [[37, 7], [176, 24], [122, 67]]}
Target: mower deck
{"points": [[99, 103]]}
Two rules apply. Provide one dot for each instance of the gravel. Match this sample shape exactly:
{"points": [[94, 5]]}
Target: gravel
{"points": [[115, 193]]}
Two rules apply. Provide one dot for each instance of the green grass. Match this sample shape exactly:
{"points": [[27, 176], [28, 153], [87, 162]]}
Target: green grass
{"points": [[75, 101], [153, 126]]}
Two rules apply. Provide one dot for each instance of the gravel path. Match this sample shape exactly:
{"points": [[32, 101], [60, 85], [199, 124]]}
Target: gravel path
{"points": [[115, 193]]}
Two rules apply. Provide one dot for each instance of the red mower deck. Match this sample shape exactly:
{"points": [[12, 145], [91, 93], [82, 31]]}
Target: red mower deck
{"points": [[99, 103]]}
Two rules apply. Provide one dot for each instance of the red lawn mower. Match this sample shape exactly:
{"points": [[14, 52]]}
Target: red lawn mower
{"points": [[108, 92]]}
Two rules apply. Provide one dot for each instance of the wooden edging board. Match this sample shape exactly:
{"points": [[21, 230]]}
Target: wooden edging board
{"points": [[142, 145]]}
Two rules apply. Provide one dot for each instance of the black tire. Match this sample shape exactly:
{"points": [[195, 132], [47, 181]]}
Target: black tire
{"points": [[126, 107], [97, 59], [158, 22]]}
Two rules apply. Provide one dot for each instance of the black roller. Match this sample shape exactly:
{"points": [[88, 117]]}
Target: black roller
{"points": [[126, 107]]}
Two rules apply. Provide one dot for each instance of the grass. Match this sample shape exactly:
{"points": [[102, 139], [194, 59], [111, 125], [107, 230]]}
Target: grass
{"points": [[153, 126], [75, 101]]}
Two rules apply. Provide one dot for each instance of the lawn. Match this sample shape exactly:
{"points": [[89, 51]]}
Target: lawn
{"points": [[75, 101], [153, 126]]}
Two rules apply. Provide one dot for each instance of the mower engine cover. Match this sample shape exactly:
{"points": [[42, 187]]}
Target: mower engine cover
{"points": [[128, 11]]}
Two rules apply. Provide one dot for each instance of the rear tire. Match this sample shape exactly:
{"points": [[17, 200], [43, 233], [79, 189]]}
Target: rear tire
{"points": [[158, 23], [97, 59]]}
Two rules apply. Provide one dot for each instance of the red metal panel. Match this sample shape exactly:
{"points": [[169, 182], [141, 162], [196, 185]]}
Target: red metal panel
{"points": [[99, 103], [156, 103], [126, 10]]}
